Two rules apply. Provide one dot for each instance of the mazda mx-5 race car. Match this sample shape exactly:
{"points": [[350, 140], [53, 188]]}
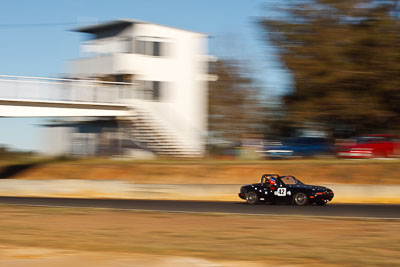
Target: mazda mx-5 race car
{"points": [[274, 188]]}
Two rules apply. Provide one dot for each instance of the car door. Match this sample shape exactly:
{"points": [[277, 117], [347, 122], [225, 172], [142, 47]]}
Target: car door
{"points": [[281, 193], [275, 193]]}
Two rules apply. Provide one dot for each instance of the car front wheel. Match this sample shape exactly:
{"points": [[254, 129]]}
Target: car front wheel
{"points": [[300, 199], [252, 198]]}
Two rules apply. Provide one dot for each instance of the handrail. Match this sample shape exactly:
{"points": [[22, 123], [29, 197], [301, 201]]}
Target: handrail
{"points": [[64, 79], [28, 87]]}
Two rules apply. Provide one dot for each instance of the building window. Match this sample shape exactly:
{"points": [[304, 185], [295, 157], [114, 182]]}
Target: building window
{"points": [[156, 90], [149, 48], [140, 47], [156, 49]]}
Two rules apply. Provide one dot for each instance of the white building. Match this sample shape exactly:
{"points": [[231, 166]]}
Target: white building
{"points": [[169, 67]]}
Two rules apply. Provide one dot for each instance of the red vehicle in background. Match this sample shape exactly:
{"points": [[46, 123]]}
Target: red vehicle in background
{"points": [[369, 146]]}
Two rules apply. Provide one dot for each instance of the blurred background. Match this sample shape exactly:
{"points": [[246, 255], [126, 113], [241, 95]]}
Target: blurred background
{"points": [[169, 102], [279, 80]]}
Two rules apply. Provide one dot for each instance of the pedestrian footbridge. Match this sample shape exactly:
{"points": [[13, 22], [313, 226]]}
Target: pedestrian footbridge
{"points": [[154, 125], [22, 96]]}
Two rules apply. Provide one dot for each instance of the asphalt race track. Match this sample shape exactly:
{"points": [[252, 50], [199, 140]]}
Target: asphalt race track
{"points": [[386, 211]]}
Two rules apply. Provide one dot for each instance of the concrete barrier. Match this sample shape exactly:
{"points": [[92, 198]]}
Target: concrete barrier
{"points": [[122, 189]]}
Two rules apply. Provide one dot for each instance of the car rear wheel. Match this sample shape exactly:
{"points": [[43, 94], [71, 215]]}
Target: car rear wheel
{"points": [[252, 198], [300, 199]]}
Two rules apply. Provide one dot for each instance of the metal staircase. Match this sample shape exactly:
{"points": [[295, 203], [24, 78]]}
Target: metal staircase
{"points": [[154, 134]]}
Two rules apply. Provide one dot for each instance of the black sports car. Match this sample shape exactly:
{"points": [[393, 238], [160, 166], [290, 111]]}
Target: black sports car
{"points": [[274, 188]]}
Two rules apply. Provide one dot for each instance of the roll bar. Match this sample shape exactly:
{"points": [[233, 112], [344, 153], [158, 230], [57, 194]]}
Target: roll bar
{"points": [[264, 177]]}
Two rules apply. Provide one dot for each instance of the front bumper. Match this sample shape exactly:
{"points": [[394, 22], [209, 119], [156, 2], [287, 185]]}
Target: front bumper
{"points": [[324, 197], [242, 195]]}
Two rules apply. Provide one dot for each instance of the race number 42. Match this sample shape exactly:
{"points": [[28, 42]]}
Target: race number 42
{"points": [[281, 192]]}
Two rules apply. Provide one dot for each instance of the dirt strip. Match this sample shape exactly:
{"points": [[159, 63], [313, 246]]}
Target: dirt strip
{"points": [[344, 193]]}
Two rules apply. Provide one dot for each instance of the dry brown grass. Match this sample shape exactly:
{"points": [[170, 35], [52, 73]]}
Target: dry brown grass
{"points": [[220, 172], [281, 240]]}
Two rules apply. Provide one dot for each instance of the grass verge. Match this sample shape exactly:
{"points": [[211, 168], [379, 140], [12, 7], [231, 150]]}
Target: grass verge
{"points": [[167, 171], [277, 240]]}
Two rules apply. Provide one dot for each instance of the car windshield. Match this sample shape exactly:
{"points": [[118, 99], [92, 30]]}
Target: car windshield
{"points": [[290, 180]]}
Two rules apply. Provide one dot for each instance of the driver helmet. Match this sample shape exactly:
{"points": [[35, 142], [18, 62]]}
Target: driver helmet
{"points": [[272, 180]]}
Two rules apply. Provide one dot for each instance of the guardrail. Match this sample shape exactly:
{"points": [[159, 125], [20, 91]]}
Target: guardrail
{"points": [[65, 90]]}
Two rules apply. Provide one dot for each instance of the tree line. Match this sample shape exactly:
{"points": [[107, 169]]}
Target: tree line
{"points": [[344, 57]]}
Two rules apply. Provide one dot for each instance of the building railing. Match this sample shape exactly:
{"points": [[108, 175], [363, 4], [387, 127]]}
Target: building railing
{"points": [[65, 90]]}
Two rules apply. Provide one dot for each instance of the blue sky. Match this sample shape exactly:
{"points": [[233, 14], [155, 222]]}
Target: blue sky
{"points": [[44, 50]]}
